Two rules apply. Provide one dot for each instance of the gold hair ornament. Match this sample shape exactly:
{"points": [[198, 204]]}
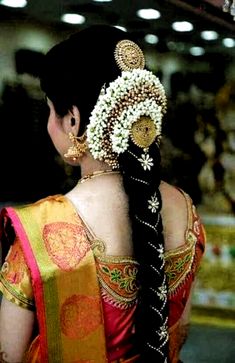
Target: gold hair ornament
{"points": [[133, 95], [143, 132], [78, 148], [128, 55]]}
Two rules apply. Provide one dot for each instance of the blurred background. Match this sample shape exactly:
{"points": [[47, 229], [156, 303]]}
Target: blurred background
{"points": [[190, 46]]}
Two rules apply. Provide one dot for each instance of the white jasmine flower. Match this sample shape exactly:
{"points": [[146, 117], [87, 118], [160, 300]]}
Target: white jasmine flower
{"points": [[163, 333], [161, 252], [146, 161], [153, 204], [162, 292]]}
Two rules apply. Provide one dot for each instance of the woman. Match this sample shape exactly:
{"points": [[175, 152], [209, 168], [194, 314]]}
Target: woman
{"points": [[104, 273]]}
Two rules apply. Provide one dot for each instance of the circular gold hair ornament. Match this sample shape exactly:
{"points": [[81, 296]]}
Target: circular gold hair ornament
{"points": [[128, 55], [143, 132]]}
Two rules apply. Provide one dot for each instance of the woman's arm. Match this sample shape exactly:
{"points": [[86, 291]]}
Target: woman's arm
{"points": [[16, 326]]}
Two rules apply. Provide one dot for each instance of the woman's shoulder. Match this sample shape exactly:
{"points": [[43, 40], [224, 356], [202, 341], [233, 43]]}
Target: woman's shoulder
{"points": [[173, 198], [175, 213]]}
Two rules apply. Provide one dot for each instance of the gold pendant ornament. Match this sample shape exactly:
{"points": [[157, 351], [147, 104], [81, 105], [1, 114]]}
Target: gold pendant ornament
{"points": [[78, 148], [129, 56], [143, 132]]}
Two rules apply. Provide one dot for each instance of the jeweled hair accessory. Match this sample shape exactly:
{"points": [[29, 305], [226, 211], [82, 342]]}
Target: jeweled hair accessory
{"points": [[128, 55], [143, 132], [132, 107]]}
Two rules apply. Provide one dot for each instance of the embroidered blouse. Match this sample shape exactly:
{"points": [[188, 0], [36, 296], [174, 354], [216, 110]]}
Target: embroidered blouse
{"points": [[117, 278]]}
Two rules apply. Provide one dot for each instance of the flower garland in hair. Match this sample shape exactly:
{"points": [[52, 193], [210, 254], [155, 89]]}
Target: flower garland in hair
{"points": [[133, 94]]}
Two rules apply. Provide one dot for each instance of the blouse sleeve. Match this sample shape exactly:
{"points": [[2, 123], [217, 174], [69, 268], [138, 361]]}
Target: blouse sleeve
{"points": [[182, 264], [15, 279]]}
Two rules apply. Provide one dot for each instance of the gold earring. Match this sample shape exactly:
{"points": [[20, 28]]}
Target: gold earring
{"points": [[79, 146]]}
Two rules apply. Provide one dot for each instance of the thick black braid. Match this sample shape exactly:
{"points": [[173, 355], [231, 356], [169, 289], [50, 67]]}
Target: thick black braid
{"points": [[152, 312]]}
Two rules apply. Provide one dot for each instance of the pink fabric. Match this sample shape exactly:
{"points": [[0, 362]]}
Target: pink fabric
{"points": [[119, 330]]}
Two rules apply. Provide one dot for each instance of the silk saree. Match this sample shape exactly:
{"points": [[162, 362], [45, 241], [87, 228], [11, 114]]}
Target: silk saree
{"points": [[81, 296]]}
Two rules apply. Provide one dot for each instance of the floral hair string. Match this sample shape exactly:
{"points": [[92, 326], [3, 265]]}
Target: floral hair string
{"points": [[135, 96]]}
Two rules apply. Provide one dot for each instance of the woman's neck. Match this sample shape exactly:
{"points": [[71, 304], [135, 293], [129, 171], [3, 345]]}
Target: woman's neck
{"points": [[89, 165]]}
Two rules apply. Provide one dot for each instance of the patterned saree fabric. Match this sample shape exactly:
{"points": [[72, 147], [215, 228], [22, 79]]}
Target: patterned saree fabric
{"points": [[86, 300], [60, 261]]}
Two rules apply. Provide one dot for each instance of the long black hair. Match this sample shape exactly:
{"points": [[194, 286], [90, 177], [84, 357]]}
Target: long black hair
{"points": [[73, 74]]}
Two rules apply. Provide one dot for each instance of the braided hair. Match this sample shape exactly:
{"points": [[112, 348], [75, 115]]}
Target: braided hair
{"points": [[142, 188], [74, 73]]}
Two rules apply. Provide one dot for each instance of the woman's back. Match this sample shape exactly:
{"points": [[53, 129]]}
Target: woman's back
{"points": [[103, 205]]}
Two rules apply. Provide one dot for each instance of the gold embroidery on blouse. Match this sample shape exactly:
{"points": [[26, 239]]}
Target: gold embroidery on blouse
{"points": [[118, 281], [179, 262], [117, 276], [15, 281], [15, 296], [98, 247]]}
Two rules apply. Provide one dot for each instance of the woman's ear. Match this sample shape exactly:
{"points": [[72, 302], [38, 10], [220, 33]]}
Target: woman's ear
{"points": [[71, 122]]}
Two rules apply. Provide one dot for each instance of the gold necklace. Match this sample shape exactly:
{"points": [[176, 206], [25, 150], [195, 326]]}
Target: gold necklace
{"points": [[97, 173]]}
